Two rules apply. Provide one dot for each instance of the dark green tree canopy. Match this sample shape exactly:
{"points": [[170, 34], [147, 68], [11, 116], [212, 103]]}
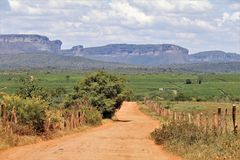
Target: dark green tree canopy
{"points": [[104, 91]]}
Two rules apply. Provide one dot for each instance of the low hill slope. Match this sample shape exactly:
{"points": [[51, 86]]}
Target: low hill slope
{"points": [[43, 60]]}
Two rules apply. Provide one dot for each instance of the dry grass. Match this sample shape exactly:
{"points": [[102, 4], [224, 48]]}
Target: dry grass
{"points": [[206, 147], [10, 140]]}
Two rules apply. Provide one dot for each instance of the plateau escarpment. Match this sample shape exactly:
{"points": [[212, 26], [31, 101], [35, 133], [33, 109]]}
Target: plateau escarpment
{"points": [[149, 54], [134, 54], [214, 57], [74, 51], [23, 43]]}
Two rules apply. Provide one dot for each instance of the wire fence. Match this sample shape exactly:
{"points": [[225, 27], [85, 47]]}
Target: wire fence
{"points": [[62, 120], [221, 121]]}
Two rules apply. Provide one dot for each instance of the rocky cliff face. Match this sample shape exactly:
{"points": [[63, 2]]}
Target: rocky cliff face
{"points": [[22, 43], [152, 55], [147, 55], [214, 57], [74, 51]]}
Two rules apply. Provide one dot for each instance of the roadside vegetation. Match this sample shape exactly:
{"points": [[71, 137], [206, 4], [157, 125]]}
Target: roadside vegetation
{"points": [[194, 142], [35, 112]]}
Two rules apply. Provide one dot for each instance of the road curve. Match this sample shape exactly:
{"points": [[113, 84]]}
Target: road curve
{"points": [[126, 139]]}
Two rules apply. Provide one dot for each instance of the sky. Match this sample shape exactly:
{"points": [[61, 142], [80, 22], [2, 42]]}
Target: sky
{"points": [[197, 25]]}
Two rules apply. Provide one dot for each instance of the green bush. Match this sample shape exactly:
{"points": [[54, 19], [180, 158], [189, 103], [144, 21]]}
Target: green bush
{"points": [[182, 97], [92, 115], [31, 112], [30, 89], [104, 91]]}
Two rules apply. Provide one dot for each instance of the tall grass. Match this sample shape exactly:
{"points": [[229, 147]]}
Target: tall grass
{"points": [[192, 142]]}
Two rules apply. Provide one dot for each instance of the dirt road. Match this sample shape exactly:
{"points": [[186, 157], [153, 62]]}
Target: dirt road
{"points": [[126, 139]]}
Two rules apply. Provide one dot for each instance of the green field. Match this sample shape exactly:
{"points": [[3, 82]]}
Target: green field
{"points": [[213, 85]]}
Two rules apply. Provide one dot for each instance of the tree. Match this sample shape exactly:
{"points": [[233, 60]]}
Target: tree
{"points": [[199, 81], [30, 89], [67, 77], [188, 81], [104, 91]]}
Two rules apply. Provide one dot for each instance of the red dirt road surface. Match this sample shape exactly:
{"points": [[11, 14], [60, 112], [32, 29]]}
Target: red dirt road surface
{"points": [[126, 139]]}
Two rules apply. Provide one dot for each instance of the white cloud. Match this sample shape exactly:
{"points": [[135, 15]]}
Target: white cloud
{"points": [[204, 25], [175, 5], [191, 23], [235, 6], [231, 17], [132, 15], [164, 5], [186, 35], [194, 5], [29, 8], [94, 16], [67, 3]]}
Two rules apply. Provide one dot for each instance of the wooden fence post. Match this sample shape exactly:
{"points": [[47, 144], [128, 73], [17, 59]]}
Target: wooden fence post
{"points": [[201, 120], [48, 124], [198, 120], [168, 112], [173, 116], [71, 121], [4, 114], [14, 115], [225, 121], [189, 118], [207, 124], [215, 122], [234, 111], [184, 117], [219, 115]]}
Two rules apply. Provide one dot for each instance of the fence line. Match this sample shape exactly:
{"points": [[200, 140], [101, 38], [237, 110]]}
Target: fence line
{"points": [[218, 122], [73, 119]]}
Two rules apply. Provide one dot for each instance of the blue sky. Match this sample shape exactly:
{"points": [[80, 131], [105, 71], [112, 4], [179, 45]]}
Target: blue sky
{"points": [[195, 24]]}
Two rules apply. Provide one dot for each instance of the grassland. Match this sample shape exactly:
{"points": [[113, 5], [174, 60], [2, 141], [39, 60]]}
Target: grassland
{"points": [[214, 86]]}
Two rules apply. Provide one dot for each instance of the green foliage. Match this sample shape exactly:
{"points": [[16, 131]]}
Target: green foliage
{"points": [[188, 81], [182, 97], [92, 115], [30, 89], [104, 91], [166, 94], [31, 112]]}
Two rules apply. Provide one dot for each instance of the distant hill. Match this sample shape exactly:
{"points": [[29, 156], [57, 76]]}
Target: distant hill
{"points": [[213, 57], [36, 51], [205, 67], [148, 55], [154, 55], [59, 62], [25, 43], [46, 60]]}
